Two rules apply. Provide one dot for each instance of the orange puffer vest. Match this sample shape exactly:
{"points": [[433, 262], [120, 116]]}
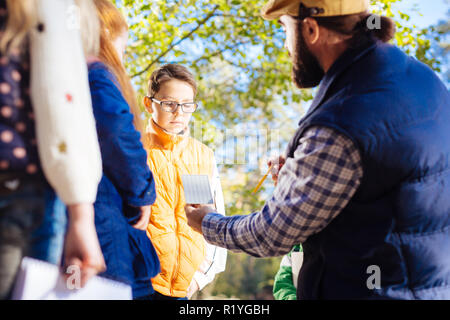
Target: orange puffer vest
{"points": [[181, 250]]}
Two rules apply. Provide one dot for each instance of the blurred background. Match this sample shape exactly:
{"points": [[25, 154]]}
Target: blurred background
{"points": [[249, 107]]}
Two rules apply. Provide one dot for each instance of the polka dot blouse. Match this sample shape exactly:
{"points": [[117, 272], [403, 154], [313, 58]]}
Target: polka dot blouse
{"points": [[18, 148]]}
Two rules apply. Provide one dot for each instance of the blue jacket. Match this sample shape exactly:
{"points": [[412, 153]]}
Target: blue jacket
{"points": [[127, 183], [397, 112]]}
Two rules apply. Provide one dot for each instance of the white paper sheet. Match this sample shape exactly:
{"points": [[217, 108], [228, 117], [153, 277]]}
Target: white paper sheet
{"points": [[197, 189], [39, 280]]}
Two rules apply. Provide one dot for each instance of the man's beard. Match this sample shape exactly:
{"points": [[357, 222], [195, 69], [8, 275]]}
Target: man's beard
{"points": [[306, 71]]}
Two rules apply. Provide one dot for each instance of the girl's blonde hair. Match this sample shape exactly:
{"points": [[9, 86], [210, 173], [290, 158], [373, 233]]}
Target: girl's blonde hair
{"points": [[22, 18], [89, 27], [113, 24]]}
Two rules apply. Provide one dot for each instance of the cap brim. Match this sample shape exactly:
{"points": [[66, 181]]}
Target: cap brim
{"points": [[275, 9]]}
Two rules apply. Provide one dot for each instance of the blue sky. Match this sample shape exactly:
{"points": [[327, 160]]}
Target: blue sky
{"points": [[431, 11]]}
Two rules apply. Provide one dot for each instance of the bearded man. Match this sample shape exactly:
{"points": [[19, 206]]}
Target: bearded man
{"points": [[365, 185]]}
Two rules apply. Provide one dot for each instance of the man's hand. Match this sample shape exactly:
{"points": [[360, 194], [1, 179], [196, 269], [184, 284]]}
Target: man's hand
{"points": [[81, 245], [144, 220], [196, 213], [278, 163]]}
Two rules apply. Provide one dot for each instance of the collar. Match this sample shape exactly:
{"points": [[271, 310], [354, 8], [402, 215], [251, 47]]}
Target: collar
{"points": [[163, 138], [344, 62]]}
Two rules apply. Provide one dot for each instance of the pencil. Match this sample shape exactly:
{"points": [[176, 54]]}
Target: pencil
{"points": [[263, 178]]}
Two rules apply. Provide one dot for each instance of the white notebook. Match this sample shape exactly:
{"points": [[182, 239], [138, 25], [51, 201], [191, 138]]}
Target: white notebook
{"points": [[39, 280], [197, 189]]}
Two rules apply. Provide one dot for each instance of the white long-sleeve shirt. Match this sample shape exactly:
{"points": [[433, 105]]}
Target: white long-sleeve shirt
{"points": [[216, 257], [65, 126]]}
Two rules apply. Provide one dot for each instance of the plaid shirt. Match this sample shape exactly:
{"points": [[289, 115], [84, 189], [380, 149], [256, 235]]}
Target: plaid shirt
{"points": [[313, 187]]}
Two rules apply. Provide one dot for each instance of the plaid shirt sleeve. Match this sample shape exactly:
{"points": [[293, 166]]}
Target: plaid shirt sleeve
{"points": [[313, 187]]}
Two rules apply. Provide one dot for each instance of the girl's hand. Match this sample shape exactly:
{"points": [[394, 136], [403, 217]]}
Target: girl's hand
{"points": [[144, 220], [81, 247]]}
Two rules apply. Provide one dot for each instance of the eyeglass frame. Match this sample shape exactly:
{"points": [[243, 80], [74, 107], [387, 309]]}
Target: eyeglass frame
{"points": [[153, 99]]}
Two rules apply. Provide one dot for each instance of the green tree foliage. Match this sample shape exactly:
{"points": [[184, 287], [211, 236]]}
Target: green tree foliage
{"points": [[249, 106]]}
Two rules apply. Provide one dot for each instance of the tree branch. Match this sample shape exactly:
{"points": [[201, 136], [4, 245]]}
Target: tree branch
{"points": [[220, 51], [201, 23]]}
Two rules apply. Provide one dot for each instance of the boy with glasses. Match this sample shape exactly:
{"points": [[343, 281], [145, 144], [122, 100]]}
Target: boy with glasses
{"points": [[188, 263]]}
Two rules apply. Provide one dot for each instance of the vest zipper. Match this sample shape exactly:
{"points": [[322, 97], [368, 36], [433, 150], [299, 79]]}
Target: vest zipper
{"points": [[177, 262]]}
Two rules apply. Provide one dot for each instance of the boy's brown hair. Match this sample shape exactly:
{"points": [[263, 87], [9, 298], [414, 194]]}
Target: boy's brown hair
{"points": [[170, 72]]}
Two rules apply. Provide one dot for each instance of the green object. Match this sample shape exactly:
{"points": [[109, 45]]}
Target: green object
{"points": [[283, 287]]}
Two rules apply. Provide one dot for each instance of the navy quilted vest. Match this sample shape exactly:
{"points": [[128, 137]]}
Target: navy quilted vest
{"points": [[397, 112]]}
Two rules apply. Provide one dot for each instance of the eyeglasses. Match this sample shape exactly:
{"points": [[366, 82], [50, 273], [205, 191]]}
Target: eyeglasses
{"points": [[172, 106]]}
